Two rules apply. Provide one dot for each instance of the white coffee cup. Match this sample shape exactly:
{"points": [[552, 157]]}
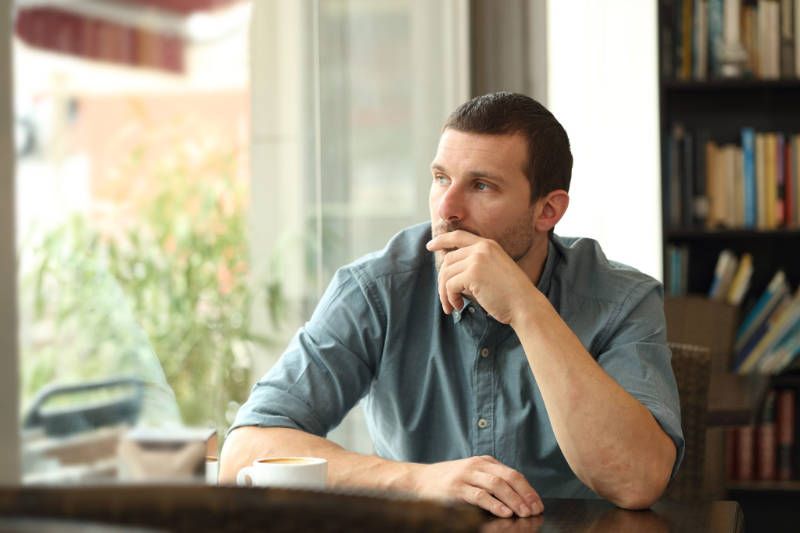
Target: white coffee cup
{"points": [[212, 469], [287, 472]]}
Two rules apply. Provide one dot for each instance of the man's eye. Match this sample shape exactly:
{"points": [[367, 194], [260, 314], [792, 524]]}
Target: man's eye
{"points": [[441, 180], [481, 186]]}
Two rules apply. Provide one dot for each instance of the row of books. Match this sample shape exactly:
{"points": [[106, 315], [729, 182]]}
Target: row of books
{"points": [[751, 184], [768, 339], [699, 36], [766, 450]]}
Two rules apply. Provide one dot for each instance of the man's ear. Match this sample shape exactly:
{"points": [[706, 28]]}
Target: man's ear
{"points": [[550, 209]]}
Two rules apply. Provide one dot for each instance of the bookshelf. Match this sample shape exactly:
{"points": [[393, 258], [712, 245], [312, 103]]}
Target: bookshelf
{"points": [[698, 106]]}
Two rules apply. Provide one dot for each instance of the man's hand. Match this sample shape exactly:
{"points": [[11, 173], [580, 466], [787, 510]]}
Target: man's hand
{"points": [[480, 269], [483, 481]]}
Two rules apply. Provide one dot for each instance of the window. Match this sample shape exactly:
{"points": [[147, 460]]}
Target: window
{"points": [[133, 189]]}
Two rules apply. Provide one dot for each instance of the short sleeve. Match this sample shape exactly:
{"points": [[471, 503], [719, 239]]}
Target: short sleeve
{"points": [[636, 355], [327, 367]]}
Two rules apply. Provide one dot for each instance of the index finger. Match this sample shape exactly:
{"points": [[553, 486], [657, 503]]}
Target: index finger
{"points": [[517, 482], [451, 240]]}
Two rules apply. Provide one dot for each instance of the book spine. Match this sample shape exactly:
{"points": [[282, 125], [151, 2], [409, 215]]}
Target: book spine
{"points": [[749, 170], [700, 39], [761, 184], [780, 180], [715, 21], [770, 180], [789, 192], [796, 28], [700, 200], [765, 442], [787, 39], [785, 419], [686, 38]]}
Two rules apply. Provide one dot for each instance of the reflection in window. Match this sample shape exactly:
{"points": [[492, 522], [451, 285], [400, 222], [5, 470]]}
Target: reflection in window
{"points": [[133, 195]]}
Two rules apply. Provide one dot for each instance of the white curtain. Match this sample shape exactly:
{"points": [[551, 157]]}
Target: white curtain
{"points": [[348, 97]]}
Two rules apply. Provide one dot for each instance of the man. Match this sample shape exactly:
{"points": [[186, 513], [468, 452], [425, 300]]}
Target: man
{"points": [[506, 359]]}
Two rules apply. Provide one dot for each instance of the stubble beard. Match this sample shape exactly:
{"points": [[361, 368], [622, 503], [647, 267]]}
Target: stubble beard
{"points": [[517, 240]]}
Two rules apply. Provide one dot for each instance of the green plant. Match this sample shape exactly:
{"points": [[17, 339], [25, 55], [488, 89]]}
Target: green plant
{"points": [[161, 268]]}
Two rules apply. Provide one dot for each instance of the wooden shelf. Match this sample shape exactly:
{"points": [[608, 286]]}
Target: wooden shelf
{"points": [[711, 234], [761, 486], [718, 84]]}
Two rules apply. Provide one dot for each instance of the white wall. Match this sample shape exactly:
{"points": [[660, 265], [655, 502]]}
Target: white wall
{"points": [[9, 434], [603, 87]]}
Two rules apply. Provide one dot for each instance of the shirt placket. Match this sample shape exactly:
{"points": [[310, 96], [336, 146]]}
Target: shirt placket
{"points": [[484, 418]]}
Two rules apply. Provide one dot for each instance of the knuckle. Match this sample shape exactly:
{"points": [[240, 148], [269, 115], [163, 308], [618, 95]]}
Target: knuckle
{"points": [[479, 494], [516, 477], [496, 484]]}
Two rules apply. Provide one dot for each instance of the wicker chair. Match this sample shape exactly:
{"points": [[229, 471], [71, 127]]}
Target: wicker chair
{"points": [[692, 367]]}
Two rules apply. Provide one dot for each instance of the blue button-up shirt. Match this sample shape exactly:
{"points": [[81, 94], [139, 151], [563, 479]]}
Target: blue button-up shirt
{"points": [[439, 387]]}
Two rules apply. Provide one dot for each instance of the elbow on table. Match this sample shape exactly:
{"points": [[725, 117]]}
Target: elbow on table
{"points": [[642, 494]]}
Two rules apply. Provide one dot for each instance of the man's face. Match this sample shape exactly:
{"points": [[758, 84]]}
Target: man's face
{"points": [[479, 185]]}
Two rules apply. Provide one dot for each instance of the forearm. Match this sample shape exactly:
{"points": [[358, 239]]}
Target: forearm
{"points": [[345, 469], [610, 440]]}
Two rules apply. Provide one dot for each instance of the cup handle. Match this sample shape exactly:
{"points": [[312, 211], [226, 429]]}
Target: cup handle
{"points": [[244, 477]]}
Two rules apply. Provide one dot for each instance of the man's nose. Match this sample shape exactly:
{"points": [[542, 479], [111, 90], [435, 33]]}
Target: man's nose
{"points": [[451, 204]]}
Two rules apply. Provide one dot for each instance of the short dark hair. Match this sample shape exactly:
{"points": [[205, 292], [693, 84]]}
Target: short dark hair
{"points": [[549, 165]]}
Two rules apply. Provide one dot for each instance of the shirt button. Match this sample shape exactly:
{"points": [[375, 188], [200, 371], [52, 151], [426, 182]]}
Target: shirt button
{"points": [[456, 315], [485, 352], [483, 423], [471, 310]]}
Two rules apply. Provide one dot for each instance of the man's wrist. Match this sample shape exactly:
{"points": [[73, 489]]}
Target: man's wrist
{"points": [[528, 306]]}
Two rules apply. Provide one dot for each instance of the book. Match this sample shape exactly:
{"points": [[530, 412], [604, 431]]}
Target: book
{"points": [[785, 319], [770, 180], [715, 22], [796, 13], [784, 353], [780, 180], [761, 184], [796, 174], [723, 275], [677, 270], [750, 38], [700, 40], [787, 39], [769, 39], [769, 299], [749, 176], [741, 280], [789, 192], [765, 441], [713, 182], [785, 433], [700, 198], [686, 39]]}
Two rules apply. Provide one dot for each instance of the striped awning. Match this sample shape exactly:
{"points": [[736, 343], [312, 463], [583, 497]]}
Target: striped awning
{"points": [[140, 33]]}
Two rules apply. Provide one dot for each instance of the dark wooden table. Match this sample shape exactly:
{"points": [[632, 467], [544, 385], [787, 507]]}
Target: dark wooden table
{"points": [[202, 508], [601, 516]]}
